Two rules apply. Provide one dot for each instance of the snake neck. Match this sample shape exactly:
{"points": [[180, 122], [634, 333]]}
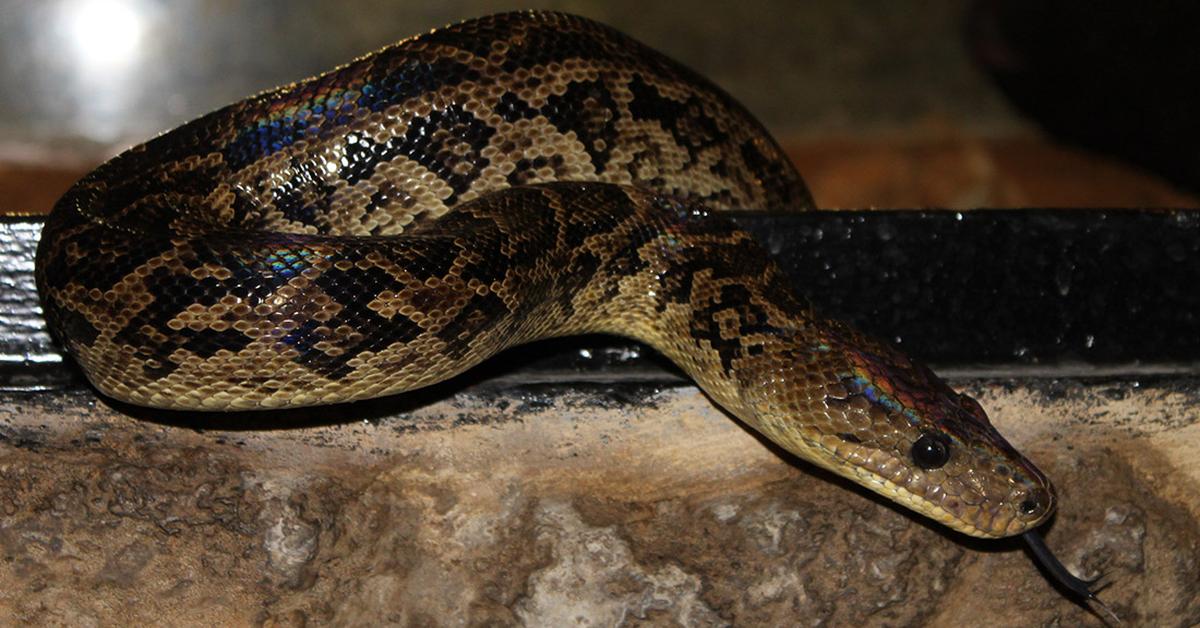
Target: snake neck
{"points": [[671, 275]]}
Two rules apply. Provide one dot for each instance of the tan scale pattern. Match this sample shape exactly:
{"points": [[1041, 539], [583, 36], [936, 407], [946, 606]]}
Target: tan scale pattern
{"points": [[396, 221]]}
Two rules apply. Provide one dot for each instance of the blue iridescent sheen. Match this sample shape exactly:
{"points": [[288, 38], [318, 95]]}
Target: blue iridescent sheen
{"points": [[287, 263], [877, 396], [277, 130]]}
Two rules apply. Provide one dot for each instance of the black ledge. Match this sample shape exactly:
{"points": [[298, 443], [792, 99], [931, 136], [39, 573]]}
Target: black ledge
{"points": [[1029, 292]]}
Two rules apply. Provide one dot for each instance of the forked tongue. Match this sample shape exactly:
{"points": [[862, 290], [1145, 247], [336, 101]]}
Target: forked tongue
{"points": [[1080, 587]]}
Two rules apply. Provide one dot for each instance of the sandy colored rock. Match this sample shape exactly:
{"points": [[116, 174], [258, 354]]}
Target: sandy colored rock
{"points": [[551, 507]]}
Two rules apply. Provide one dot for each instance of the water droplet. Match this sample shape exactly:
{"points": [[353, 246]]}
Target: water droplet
{"points": [[886, 231], [1062, 279]]}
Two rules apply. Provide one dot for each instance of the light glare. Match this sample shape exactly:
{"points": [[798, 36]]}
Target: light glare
{"points": [[104, 33]]}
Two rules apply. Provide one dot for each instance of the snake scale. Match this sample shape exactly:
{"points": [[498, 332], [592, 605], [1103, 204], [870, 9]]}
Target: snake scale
{"points": [[394, 222]]}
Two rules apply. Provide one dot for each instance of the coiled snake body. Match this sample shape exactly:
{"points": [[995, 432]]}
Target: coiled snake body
{"points": [[398, 220]]}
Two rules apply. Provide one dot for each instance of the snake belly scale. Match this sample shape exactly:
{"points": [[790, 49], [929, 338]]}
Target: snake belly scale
{"points": [[399, 219]]}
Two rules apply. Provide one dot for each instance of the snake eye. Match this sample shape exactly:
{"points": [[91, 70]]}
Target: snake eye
{"points": [[931, 451]]}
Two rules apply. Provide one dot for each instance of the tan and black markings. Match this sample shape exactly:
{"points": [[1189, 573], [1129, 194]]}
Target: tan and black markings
{"points": [[394, 222]]}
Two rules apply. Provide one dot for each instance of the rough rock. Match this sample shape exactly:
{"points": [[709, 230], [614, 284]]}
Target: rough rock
{"points": [[581, 506]]}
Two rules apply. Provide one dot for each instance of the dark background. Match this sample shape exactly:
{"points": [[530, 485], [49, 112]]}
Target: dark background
{"points": [[929, 103]]}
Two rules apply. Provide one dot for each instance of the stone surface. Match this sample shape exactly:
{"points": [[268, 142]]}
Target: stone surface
{"points": [[551, 507]]}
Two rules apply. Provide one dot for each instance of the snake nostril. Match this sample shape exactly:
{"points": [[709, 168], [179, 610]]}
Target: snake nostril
{"points": [[1035, 502]]}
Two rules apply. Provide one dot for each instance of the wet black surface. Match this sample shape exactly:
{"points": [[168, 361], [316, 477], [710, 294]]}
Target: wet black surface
{"points": [[23, 339], [1112, 290]]}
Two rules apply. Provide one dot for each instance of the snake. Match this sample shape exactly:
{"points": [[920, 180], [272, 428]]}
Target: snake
{"points": [[395, 221]]}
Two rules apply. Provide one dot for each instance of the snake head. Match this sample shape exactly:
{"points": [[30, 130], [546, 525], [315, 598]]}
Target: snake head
{"points": [[876, 417]]}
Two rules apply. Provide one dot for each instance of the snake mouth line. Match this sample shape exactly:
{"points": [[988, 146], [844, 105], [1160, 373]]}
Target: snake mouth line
{"points": [[921, 505], [915, 502]]}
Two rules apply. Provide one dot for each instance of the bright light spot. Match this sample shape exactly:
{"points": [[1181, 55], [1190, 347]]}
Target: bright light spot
{"points": [[104, 33]]}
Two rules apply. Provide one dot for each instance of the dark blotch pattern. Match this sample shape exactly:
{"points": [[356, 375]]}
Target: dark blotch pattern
{"points": [[589, 111]]}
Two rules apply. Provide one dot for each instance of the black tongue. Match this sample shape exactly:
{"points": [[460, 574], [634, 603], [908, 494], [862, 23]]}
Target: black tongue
{"points": [[1080, 587]]}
